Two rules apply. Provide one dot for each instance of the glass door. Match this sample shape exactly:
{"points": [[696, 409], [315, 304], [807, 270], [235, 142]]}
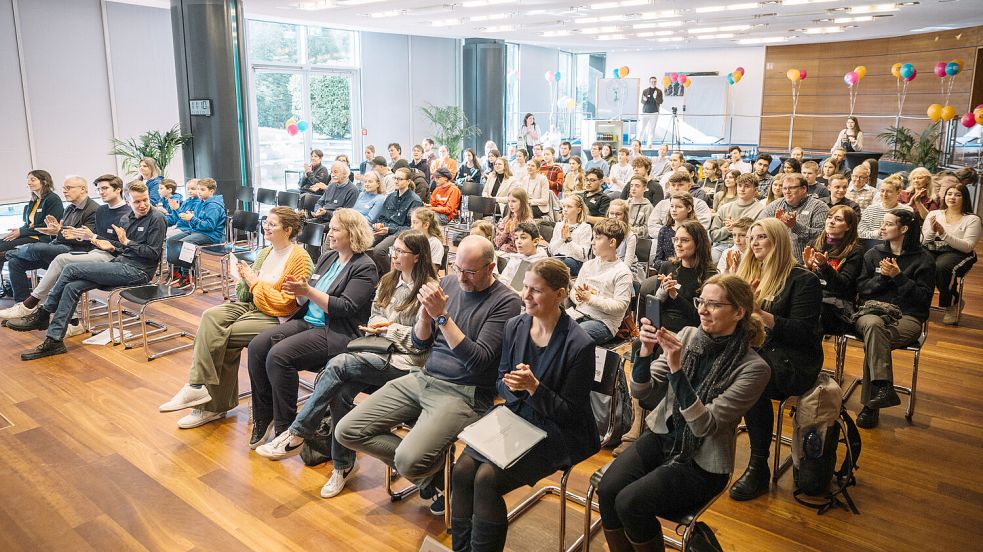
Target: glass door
{"points": [[280, 156]]}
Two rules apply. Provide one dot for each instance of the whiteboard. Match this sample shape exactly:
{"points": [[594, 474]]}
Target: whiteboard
{"points": [[618, 99]]}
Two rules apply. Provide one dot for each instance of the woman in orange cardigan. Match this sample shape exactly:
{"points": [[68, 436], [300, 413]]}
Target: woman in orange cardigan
{"points": [[261, 303]]}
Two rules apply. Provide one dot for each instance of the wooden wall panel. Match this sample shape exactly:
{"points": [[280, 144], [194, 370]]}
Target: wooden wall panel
{"points": [[824, 99]]}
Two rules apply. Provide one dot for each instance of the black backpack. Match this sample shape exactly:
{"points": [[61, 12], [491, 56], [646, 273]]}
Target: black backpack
{"points": [[624, 416], [816, 472]]}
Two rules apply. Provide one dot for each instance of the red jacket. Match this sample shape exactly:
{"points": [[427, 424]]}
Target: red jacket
{"points": [[446, 200], [554, 175]]}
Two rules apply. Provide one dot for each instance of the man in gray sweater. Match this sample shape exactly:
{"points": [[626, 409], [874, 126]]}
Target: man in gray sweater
{"points": [[463, 318], [804, 215], [339, 194]]}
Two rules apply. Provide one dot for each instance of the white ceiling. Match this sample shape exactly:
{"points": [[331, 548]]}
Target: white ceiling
{"points": [[609, 25]]}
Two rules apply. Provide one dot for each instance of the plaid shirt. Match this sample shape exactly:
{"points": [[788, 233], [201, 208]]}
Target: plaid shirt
{"points": [[554, 175]]}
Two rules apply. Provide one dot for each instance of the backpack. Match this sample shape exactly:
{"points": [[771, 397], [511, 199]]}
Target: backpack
{"points": [[318, 450], [702, 539], [819, 423], [624, 415]]}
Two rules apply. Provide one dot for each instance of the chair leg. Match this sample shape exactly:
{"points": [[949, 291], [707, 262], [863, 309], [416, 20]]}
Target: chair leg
{"points": [[910, 411]]}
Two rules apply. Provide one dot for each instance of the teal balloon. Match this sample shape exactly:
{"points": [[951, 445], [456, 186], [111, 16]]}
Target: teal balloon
{"points": [[616, 73], [907, 70], [303, 126], [951, 68], [557, 76], [730, 78]]}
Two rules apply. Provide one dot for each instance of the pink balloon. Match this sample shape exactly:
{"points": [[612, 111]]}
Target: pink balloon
{"points": [[940, 69], [914, 73], [851, 78], [739, 70], [802, 74], [673, 76], [681, 78], [292, 130], [968, 120]]}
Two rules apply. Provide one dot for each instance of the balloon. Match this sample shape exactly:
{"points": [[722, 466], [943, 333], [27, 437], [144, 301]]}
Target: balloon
{"points": [[793, 75], [557, 76], [562, 102], [914, 73], [979, 117], [616, 73], [666, 82], [303, 126], [687, 82], [290, 121], [861, 71], [624, 70], [940, 69], [681, 78], [292, 130], [802, 74], [968, 120], [935, 112], [907, 72], [739, 70], [948, 113], [730, 78], [738, 77], [673, 76], [958, 62], [952, 68], [896, 70], [851, 78], [571, 103], [548, 76]]}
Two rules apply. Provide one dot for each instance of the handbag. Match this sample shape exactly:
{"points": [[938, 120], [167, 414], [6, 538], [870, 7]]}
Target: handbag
{"points": [[372, 344]]}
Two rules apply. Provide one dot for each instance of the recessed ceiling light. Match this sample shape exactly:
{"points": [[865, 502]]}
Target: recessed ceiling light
{"points": [[872, 8], [715, 36], [765, 40], [356, 2], [497, 29], [481, 3], [725, 28], [670, 39], [390, 13], [556, 33], [445, 22], [821, 30], [858, 19], [659, 14], [622, 4], [732, 7], [610, 37], [490, 17], [658, 25], [803, 2]]}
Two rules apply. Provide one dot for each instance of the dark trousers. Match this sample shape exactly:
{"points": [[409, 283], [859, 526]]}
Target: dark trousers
{"points": [[276, 356], [640, 486], [380, 252], [760, 419], [945, 281], [30, 257], [6, 246]]}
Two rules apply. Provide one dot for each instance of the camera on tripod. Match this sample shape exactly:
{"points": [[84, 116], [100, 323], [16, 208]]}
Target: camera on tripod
{"points": [[675, 110]]}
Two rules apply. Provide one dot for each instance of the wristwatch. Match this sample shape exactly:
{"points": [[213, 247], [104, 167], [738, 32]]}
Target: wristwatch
{"points": [[442, 319]]}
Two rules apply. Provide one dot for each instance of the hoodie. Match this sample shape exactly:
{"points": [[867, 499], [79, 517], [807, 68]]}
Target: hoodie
{"points": [[209, 218]]}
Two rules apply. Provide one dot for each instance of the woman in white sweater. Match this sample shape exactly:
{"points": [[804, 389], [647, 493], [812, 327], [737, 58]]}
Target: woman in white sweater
{"points": [[950, 235], [571, 236], [603, 288]]}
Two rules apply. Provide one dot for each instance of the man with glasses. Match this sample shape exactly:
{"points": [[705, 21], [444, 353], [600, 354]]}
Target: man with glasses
{"points": [[394, 218], [860, 190], [597, 201], [803, 214], [462, 318], [69, 244]]}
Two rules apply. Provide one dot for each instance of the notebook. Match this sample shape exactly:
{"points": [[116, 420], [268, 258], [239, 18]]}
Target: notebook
{"points": [[502, 436]]}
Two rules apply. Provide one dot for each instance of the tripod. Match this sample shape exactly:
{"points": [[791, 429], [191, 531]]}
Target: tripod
{"points": [[672, 132]]}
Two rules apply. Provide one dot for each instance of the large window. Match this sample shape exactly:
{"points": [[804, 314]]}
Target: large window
{"points": [[513, 118], [307, 74]]}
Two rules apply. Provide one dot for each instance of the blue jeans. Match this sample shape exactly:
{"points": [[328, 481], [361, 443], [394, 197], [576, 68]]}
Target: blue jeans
{"points": [[573, 264], [596, 330], [190, 237], [78, 278], [344, 377], [30, 257]]}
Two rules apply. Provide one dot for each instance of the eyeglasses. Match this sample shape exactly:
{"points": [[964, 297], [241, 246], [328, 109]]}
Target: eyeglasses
{"points": [[393, 251], [757, 238], [268, 224], [711, 306], [681, 241], [468, 273], [790, 188]]}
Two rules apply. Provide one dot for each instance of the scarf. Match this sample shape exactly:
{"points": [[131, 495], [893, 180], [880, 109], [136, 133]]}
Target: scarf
{"points": [[726, 352]]}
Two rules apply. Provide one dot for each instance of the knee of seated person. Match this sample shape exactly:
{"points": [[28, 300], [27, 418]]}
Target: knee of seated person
{"points": [[630, 505], [869, 321], [348, 433], [411, 464]]}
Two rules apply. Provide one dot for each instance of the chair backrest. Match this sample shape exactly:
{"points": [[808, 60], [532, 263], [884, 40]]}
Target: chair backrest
{"points": [[288, 199], [471, 189], [244, 194], [869, 243], [312, 234], [643, 250], [607, 365], [482, 206], [444, 261], [546, 231], [308, 202], [266, 196]]}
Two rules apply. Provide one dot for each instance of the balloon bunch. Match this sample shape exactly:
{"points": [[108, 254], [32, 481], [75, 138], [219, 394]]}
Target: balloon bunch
{"points": [[294, 126], [972, 118], [936, 112], [552, 76], [950, 70], [566, 102], [796, 76], [620, 72], [676, 78], [903, 72], [852, 80], [736, 76]]}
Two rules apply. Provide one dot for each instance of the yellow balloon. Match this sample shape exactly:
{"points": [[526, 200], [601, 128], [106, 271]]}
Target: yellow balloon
{"points": [[935, 112], [737, 77], [948, 113], [979, 117], [959, 62], [571, 103], [896, 70], [688, 82], [666, 82], [861, 71], [793, 75]]}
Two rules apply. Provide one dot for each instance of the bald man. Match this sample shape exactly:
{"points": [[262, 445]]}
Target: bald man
{"points": [[463, 319]]}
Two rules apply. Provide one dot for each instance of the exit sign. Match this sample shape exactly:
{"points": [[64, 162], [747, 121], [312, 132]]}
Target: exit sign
{"points": [[201, 107]]}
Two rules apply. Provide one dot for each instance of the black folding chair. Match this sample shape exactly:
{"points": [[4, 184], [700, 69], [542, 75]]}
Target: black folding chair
{"points": [[312, 238], [308, 202], [288, 199]]}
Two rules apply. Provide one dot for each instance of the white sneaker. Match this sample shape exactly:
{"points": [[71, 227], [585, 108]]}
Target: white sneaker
{"points": [[186, 398], [336, 483], [280, 447], [199, 417], [74, 330], [17, 311]]}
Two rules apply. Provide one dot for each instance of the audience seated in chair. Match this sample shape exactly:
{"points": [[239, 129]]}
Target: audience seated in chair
{"points": [[527, 249], [762, 166], [860, 189], [745, 205], [679, 182], [205, 221], [136, 247], [810, 170], [394, 218], [261, 301], [837, 258], [802, 214], [950, 235], [681, 209], [639, 207], [445, 199], [602, 290], [730, 258], [371, 199], [597, 201], [463, 319], [571, 237], [340, 193], [698, 388], [499, 181], [517, 210], [44, 202], [618, 210], [838, 185], [545, 376], [175, 224], [424, 220], [919, 194], [728, 191], [315, 177]]}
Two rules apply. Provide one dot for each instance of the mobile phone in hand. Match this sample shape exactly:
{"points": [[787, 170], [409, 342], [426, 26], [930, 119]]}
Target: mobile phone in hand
{"points": [[653, 310]]}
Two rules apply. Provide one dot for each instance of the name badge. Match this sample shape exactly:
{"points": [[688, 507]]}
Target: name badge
{"points": [[139, 228], [335, 201], [805, 212], [315, 276]]}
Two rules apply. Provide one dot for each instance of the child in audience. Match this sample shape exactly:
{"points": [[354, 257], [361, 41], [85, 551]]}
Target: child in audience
{"points": [[837, 194], [176, 225], [424, 220], [731, 257], [596, 161], [620, 172], [639, 207], [484, 229], [680, 209], [745, 205], [602, 290], [573, 182], [572, 235], [445, 200], [526, 249], [517, 210], [618, 210]]}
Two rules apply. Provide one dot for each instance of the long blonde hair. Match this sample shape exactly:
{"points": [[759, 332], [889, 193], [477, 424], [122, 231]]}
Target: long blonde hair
{"points": [[772, 271]]}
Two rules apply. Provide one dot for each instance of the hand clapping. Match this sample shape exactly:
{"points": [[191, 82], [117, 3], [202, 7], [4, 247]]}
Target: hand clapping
{"points": [[670, 285], [121, 235], [889, 268], [291, 284], [433, 299], [521, 379]]}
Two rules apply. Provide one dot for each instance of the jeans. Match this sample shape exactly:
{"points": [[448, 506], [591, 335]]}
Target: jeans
{"points": [[596, 330], [78, 278], [30, 257], [344, 377], [573, 264], [380, 253]]}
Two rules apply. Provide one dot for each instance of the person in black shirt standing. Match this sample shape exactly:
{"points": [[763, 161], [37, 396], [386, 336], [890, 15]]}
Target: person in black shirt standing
{"points": [[649, 118]]}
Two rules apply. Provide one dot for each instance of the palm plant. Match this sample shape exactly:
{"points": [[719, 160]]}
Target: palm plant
{"points": [[451, 126], [159, 146], [920, 152]]}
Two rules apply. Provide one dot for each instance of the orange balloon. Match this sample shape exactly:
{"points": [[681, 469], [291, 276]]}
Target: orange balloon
{"points": [[948, 113], [687, 82], [861, 71], [624, 71], [793, 75], [960, 63], [935, 112], [737, 77], [896, 70]]}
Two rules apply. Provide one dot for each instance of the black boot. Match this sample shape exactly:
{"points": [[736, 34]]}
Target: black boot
{"points": [[48, 347], [460, 534], [868, 418], [755, 480], [37, 320], [487, 536], [654, 545], [883, 396], [617, 540]]}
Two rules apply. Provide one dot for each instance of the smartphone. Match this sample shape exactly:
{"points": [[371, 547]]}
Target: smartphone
{"points": [[653, 310]]}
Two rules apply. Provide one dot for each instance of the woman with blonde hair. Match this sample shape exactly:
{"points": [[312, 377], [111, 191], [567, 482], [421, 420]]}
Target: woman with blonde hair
{"points": [[920, 194], [789, 300], [572, 235], [517, 210], [336, 301], [425, 220], [573, 182], [499, 180], [705, 378], [265, 295], [151, 177], [371, 198]]}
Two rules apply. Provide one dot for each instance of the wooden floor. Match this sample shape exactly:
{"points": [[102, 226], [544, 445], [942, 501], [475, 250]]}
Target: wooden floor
{"points": [[87, 463]]}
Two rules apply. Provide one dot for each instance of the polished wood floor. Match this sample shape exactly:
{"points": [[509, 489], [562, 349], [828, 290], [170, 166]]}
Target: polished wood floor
{"points": [[87, 463]]}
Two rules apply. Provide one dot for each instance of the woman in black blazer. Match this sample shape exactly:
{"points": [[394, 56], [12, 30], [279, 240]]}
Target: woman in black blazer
{"points": [[837, 258], [789, 300], [339, 300], [44, 201], [545, 376]]}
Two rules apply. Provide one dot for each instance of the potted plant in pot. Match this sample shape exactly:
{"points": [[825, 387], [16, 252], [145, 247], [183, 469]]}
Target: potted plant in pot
{"points": [[451, 126], [905, 148], [160, 146]]}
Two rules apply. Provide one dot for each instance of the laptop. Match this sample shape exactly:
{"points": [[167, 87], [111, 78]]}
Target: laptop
{"points": [[520, 275]]}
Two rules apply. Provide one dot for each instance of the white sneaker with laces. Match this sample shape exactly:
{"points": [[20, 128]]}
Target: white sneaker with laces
{"points": [[280, 447], [186, 398], [336, 483], [17, 311], [199, 417], [74, 330]]}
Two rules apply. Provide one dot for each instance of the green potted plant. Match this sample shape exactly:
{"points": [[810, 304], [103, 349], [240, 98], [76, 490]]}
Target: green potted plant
{"points": [[159, 146], [920, 152], [451, 126]]}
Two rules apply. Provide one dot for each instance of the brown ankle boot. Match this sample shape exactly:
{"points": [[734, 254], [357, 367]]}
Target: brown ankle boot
{"points": [[617, 540]]}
